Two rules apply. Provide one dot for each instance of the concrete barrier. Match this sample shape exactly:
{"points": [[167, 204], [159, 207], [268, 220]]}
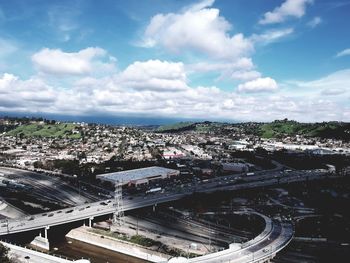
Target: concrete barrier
{"points": [[36, 256], [82, 234]]}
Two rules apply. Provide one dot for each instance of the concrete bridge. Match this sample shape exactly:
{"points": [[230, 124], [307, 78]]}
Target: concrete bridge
{"points": [[89, 211], [259, 250]]}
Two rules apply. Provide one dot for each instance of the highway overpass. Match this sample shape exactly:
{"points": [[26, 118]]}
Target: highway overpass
{"points": [[262, 248], [275, 237], [101, 208]]}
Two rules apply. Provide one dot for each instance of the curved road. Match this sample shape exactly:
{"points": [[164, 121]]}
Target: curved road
{"points": [[86, 211], [256, 250]]}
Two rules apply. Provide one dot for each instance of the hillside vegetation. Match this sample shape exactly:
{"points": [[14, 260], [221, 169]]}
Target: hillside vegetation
{"points": [[180, 126], [275, 129], [205, 126], [45, 130], [291, 128]]}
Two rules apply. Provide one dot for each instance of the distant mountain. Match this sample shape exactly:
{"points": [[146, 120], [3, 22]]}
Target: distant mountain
{"points": [[99, 119], [275, 129]]}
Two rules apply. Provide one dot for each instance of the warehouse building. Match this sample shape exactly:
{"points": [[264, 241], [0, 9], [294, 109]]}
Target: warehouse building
{"points": [[235, 167], [138, 176]]}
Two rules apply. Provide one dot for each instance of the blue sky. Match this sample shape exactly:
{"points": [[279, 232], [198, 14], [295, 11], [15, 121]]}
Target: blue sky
{"points": [[233, 60]]}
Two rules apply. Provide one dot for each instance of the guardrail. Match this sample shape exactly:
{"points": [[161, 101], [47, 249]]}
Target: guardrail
{"points": [[264, 235], [11, 244], [141, 203]]}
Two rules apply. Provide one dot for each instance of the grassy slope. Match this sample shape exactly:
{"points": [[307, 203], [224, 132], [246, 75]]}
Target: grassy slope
{"points": [[175, 126], [193, 126], [270, 130], [325, 130], [45, 130]]}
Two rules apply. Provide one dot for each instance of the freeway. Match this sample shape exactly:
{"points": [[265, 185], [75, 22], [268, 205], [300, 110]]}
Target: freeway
{"points": [[89, 211], [47, 187], [275, 237]]}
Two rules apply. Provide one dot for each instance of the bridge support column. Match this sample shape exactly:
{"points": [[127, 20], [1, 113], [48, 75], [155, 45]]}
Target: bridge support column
{"points": [[42, 242], [45, 233], [90, 221]]}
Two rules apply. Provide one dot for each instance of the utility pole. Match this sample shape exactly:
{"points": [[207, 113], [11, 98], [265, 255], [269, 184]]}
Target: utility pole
{"points": [[118, 215]]}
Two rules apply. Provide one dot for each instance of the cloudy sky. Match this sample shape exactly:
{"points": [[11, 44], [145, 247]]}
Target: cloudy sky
{"points": [[226, 59]]}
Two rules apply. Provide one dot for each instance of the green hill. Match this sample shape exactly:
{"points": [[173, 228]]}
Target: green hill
{"points": [[275, 129], [176, 127], [45, 130], [336, 130], [200, 127]]}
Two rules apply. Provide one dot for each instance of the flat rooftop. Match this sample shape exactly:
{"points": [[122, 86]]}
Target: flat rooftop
{"points": [[136, 174]]}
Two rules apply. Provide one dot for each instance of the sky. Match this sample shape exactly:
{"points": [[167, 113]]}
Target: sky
{"points": [[234, 60]]}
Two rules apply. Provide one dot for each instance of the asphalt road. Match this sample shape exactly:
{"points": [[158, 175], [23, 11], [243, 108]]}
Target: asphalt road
{"points": [[106, 207], [47, 187]]}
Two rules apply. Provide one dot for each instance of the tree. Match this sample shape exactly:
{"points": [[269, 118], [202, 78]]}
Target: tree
{"points": [[4, 254]]}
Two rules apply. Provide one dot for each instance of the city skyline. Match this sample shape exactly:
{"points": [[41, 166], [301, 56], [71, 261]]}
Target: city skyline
{"points": [[217, 60]]}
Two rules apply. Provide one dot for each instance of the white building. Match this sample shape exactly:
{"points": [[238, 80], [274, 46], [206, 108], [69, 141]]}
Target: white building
{"points": [[138, 176]]}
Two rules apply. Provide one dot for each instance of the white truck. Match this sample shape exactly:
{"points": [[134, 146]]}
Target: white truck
{"points": [[154, 190]]}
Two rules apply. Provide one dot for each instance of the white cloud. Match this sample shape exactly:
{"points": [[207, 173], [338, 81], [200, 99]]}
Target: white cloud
{"points": [[272, 35], [57, 62], [315, 22], [7, 47], [200, 5], [201, 30], [243, 63], [110, 96], [336, 80], [198, 28], [333, 91], [245, 75], [63, 21], [154, 75], [345, 52], [242, 69], [259, 85], [30, 95], [290, 8]]}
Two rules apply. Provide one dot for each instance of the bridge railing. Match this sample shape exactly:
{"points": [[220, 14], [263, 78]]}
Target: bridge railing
{"points": [[9, 244]]}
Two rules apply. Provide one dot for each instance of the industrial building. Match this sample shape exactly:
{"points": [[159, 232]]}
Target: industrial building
{"points": [[138, 176], [235, 167]]}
